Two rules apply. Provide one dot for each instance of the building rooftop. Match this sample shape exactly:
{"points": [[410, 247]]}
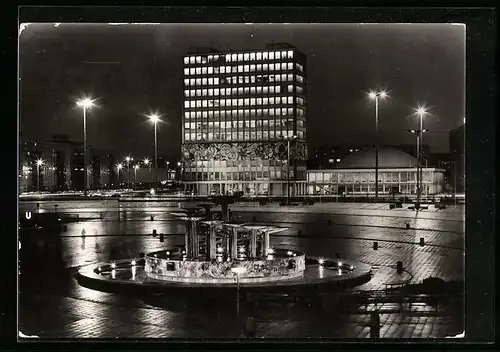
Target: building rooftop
{"points": [[387, 158]]}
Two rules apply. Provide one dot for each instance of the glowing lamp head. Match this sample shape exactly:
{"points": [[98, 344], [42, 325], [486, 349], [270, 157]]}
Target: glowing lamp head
{"points": [[321, 261], [113, 265], [168, 252], [339, 264], [383, 94], [146, 161], [154, 118], [220, 250], [133, 262], [289, 253], [136, 167], [421, 110], [119, 166], [242, 250], [372, 95], [85, 103], [270, 251], [178, 163], [39, 162]]}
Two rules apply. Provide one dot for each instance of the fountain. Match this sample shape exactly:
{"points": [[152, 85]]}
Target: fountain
{"points": [[218, 253]]}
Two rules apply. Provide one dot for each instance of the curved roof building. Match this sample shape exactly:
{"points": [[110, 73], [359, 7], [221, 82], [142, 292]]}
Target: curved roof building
{"points": [[388, 158]]}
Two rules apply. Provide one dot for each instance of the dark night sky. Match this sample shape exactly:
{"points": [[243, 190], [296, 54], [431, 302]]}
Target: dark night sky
{"points": [[416, 63]]}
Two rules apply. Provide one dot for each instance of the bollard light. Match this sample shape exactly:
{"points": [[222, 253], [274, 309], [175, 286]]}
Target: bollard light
{"points": [[422, 241], [375, 246]]}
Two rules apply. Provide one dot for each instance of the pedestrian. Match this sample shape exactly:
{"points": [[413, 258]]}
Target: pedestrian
{"points": [[83, 232]]}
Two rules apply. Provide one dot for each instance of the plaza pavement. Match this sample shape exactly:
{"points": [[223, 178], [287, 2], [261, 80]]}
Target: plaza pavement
{"points": [[87, 313]]}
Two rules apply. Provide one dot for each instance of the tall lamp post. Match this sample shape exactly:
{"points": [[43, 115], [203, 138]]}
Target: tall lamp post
{"points": [[288, 139], [128, 159], [376, 96], [420, 111], [85, 104], [136, 166], [39, 163], [418, 133], [168, 171], [238, 270], [155, 119], [118, 168]]}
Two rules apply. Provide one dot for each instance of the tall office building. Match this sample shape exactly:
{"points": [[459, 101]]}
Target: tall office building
{"points": [[239, 109]]}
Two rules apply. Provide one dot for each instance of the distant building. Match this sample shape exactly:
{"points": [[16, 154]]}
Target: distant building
{"points": [[457, 151], [237, 106], [355, 175], [63, 166]]}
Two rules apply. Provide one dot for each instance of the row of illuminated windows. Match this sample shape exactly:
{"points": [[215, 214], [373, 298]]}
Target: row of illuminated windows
{"points": [[248, 165], [391, 177], [241, 112], [266, 55], [239, 91], [241, 124], [241, 136], [242, 80], [240, 102], [209, 70], [237, 175]]}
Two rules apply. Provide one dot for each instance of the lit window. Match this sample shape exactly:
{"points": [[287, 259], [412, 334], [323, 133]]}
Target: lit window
{"points": [[290, 54], [216, 91], [299, 66], [203, 59], [247, 79], [264, 90], [210, 81], [259, 111], [271, 67], [271, 55], [259, 101], [186, 104], [252, 68], [240, 79], [252, 101], [265, 55], [198, 92], [186, 92], [277, 55], [290, 100], [259, 67], [252, 90], [204, 70], [216, 57], [271, 89], [290, 77], [240, 90], [192, 103], [240, 57], [283, 77], [247, 68], [278, 89], [234, 57], [186, 71], [204, 92], [271, 100], [252, 79], [210, 57], [228, 57], [234, 102], [246, 57], [210, 92], [198, 59], [265, 67], [204, 81], [252, 56], [300, 79], [259, 90], [198, 114], [290, 88], [186, 82], [192, 60], [223, 69], [204, 113], [234, 91], [240, 68], [259, 56], [277, 78], [198, 81], [186, 60], [193, 125], [198, 70], [198, 103], [265, 101], [210, 70], [216, 80], [247, 101]]}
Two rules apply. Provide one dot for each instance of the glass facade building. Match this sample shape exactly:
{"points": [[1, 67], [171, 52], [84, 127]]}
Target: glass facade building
{"points": [[239, 108]]}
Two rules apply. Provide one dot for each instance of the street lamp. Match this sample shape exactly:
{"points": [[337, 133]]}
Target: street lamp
{"points": [[39, 163], [168, 171], [128, 159], [238, 270], [85, 104], [419, 133], [118, 168], [376, 96], [421, 111], [155, 119], [147, 163], [136, 166], [288, 139]]}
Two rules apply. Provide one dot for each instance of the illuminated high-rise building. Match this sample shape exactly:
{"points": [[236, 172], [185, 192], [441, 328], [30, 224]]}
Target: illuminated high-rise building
{"points": [[239, 109]]}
